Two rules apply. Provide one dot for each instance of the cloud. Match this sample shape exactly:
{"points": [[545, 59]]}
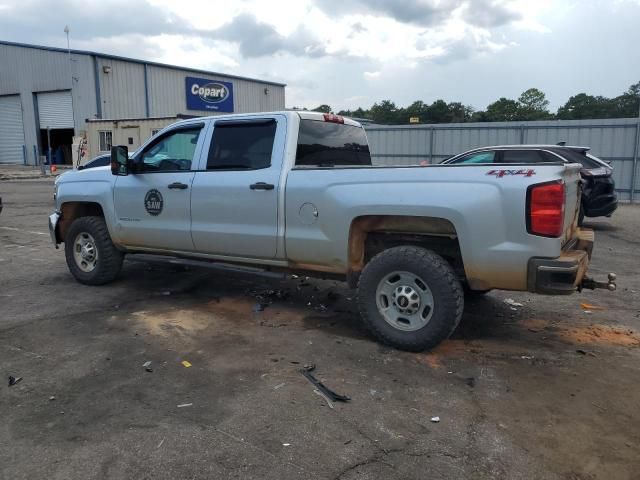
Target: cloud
{"points": [[421, 12], [371, 75], [427, 13], [39, 19], [257, 39], [489, 13]]}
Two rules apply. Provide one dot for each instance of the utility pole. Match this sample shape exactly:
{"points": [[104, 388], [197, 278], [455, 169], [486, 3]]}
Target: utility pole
{"points": [[66, 31]]}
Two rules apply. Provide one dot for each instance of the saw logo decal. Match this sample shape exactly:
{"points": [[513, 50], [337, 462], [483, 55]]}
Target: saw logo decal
{"points": [[503, 173], [153, 202]]}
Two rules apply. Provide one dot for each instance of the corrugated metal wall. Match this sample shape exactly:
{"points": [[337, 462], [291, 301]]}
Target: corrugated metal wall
{"points": [[26, 71], [614, 140], [167, 93], [116, 93]]}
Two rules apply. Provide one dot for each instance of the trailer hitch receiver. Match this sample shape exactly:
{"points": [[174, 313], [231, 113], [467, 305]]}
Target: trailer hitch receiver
{"points": [[591, 284]]}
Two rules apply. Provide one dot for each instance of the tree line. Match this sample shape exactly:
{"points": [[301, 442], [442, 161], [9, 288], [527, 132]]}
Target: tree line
{"points": [[532, 104]]}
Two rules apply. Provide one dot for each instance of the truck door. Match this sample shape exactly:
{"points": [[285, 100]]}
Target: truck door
{"points": [[234, 202], [153, 204]]}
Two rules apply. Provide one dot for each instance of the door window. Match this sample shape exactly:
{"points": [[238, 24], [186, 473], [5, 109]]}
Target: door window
{"points": [[477, 157], [522, 156], [242, 145], [172, 152]]}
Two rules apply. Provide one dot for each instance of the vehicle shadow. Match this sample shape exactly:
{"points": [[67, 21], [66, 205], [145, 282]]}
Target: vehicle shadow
{"points": [[600, 226], [327, 306]]}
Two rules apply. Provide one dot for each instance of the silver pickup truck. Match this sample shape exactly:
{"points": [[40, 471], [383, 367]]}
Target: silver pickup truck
{"points": [[296, 192]]}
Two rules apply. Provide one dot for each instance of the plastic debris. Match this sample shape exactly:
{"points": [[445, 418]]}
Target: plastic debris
{"points": [[280, 385], [584, 352], [147, 366], [259, 307], [588, 306], [319, 393], [13, 380], [435, 419], [182, 405], [513, 303], [52, 398], [186, 364], [286, 444], [330, 394]]}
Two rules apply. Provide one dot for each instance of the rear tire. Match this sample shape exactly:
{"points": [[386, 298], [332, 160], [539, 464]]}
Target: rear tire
{"points": [[91, 256], [410, 298]]}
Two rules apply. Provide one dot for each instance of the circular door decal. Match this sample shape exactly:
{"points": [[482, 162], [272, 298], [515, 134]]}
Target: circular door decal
{"points": [[153, 202]]}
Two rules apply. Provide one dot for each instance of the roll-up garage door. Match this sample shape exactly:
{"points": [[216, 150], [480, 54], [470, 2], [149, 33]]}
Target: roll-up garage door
{"points": [[55, 109], [11, 129]]}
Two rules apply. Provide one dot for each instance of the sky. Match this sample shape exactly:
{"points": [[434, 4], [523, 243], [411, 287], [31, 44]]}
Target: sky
{"points": [[352, 53]]}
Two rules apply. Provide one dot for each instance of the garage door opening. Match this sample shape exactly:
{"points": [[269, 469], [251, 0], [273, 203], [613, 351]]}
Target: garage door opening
{"points": [[55, 113], [61, 144]]}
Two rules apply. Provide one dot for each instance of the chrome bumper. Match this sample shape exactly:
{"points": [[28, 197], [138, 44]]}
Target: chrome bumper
{"points": [[53, 223]]}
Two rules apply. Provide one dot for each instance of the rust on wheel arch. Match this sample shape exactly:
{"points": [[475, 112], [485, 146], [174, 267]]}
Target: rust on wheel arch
{"points": [[400, 224]]}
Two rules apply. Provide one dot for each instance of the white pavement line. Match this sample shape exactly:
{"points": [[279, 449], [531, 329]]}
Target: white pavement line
{"points": [[23, 231]]}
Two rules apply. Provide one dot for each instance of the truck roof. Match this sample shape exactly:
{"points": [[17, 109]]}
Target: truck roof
{"points": [[303, 114]]}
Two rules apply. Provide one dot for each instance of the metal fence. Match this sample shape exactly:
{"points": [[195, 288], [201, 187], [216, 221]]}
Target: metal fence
{"points": [[614, 140]]}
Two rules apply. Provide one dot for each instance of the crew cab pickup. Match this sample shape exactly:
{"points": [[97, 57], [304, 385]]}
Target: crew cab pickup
{"points": [[296, 192]]}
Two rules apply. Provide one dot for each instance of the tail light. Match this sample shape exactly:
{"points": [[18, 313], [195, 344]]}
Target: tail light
{"points": [[545, 209], [330, 117]]}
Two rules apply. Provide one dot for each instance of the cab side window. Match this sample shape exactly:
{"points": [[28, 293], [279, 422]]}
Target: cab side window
{"points": [[242, 145], [172, 152], [477, 157]]}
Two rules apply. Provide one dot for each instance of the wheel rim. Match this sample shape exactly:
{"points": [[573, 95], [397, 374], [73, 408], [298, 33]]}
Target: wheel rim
{"points": [[405, 301], [85, 252]]}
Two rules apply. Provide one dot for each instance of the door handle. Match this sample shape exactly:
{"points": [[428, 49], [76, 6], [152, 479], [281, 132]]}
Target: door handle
{"points": [[178, 185], [261, 186]]}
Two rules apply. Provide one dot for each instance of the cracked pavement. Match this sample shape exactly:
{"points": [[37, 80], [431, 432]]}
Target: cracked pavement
{"points": [[544, 391]]}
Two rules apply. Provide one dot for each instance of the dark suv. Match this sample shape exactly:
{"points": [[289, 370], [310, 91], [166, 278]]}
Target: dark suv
{"points": [[598, 189]]}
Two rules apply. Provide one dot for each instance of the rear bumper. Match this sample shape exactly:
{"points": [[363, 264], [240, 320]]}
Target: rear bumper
{"points": [[562, 275]]}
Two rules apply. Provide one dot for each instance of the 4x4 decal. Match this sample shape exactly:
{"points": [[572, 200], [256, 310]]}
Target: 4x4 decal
{"points": [[502, 173]]}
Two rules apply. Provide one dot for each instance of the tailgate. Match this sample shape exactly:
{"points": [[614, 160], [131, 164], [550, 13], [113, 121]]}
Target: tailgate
{"points": [[573, 192]]}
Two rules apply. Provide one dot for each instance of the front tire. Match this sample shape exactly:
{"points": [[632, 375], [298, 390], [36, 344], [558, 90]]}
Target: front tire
{"points": [[91, 256], [410, 298]]}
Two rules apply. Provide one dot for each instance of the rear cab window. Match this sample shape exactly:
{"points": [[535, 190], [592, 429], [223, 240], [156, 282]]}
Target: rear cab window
{"points": [[330, 144]]}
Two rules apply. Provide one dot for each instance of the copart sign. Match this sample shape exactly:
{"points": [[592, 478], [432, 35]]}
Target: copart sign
{"points": [[209, 95]]}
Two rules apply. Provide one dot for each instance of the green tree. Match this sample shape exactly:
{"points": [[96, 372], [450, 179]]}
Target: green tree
{"points": [[533, 105], [416, 109], [459, 113], [384, 112], [438, 112], [503, 110], [583, 106], [628, 104], [322, 109]]}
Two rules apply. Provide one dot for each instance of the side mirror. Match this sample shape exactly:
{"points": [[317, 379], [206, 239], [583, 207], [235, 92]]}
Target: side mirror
{"points": [[120, 160]]}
